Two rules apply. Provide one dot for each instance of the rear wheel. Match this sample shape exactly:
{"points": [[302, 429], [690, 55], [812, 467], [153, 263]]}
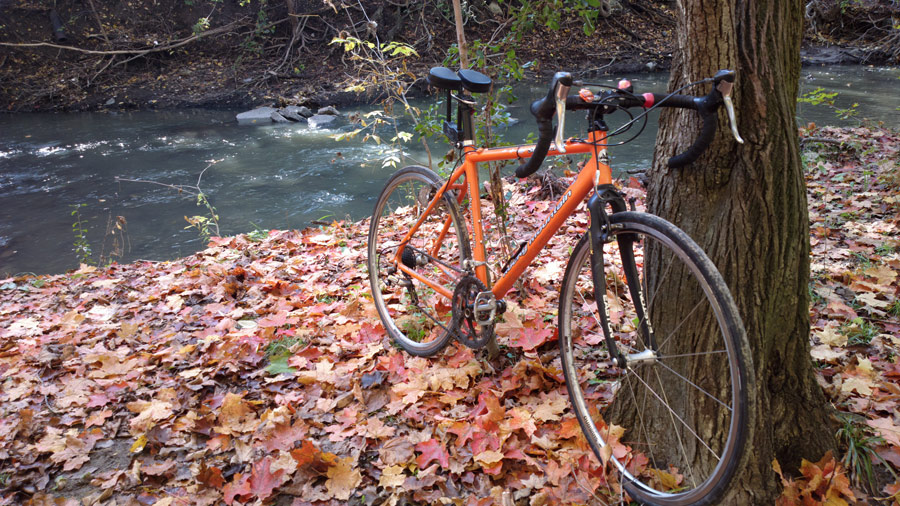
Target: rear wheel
{"points": [[673, 420], [415, 307]]}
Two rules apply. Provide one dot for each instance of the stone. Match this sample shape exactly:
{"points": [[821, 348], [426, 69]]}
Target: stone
{"points": [[258, 116], [294, 113], [319, 120], [330, 110], [278, 118]]}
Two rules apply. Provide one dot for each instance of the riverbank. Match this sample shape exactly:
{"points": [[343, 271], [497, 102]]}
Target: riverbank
{"points": [[257, 369], [110, 57]]}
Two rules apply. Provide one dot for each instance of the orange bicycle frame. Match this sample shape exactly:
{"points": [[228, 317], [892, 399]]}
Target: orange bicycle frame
{"points": [[594, 173]]}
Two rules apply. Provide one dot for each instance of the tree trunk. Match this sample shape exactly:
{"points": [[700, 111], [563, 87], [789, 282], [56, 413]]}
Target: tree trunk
{"points": [[745, 205]]}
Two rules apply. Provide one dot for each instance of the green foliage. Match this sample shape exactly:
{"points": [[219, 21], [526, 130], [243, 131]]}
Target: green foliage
{"points": [[81, 244], [279, 351], [207, 225], [552, 13], [258, 234], [859, 331], [894, 309], [860, 450], [819, 96], [384, 68], [201, 26]]}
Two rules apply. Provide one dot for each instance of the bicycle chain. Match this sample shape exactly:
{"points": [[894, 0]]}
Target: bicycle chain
{"points": [[463, 303]]}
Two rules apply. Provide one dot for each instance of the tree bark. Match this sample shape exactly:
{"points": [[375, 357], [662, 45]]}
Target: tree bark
{"points": [[745, 205]]}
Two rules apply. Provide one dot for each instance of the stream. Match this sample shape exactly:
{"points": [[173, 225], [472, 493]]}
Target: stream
{"points": [[259, 177]]}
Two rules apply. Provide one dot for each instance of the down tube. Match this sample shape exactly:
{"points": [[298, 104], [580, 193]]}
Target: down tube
{"points": [[565, 206]]}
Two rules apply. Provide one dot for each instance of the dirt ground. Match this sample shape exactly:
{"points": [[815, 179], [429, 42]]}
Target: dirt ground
{"points": [[71, 55]]}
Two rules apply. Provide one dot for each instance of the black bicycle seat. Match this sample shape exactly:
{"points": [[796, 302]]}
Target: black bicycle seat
{"points": [[475, 81], [444, 78]]}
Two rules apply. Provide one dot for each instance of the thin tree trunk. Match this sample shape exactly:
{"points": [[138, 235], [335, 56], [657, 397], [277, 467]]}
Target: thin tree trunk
{"points": [[460, 36], [746, 207]]}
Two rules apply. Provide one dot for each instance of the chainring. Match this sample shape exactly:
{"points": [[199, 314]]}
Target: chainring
{"points": [[467, 331]]}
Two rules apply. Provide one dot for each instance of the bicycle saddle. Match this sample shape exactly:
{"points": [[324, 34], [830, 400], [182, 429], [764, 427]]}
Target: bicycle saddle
{"points": [[446, 79]]}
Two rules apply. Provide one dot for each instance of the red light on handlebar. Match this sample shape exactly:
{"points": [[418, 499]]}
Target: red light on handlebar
{"points": [[586, 95], [624, 84]]}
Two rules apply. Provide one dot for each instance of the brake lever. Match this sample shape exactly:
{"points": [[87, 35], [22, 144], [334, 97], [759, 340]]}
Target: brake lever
{"points": [[562, 91], [724, 88]]}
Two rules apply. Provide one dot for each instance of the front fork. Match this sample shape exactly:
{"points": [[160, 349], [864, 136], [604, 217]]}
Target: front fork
{"points": [[601, 231]]}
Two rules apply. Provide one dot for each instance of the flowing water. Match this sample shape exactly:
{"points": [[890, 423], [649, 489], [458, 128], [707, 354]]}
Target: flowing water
{"points": [[264, 177]]}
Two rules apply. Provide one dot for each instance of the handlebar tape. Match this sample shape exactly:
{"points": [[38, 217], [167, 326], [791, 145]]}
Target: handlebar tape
{"points": [[543, 110], [706, 107]]}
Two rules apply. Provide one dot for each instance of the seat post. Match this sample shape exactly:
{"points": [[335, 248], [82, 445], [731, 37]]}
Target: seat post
{"points": [[464, 119]]}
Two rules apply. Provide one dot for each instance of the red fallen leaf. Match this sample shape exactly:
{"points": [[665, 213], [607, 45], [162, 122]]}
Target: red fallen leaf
{"points": [[306, 454], [369, 333], [489, 408], [276, 320], [211, 477], [262, 480], [893, 491], [239, 487], [486, 439], [464, 432], [432, 450], [530, 338], [569, 428], [838, 308], [283, 436]]}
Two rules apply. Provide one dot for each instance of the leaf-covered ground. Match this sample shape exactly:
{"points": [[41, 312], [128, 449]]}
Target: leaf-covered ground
{"points": [[257, 371]]}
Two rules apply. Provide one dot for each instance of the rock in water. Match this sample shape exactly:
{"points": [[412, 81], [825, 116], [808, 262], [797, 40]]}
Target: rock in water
{"points": [[258, 116], [278, 118], [294, 113], [320, 120], [329, 110]]}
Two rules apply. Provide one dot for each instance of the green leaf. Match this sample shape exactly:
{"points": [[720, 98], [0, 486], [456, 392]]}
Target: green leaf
{"points": [[279, 365]]}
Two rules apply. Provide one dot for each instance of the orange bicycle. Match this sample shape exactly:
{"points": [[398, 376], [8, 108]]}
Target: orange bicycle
{"points": [[669, 398]]}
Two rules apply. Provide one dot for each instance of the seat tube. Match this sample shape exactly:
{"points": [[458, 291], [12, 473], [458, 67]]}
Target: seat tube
{"points": [[478, 250]]}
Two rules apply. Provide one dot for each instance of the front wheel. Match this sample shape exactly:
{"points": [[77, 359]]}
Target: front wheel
{"points": [[673, 418], [413, 282]]}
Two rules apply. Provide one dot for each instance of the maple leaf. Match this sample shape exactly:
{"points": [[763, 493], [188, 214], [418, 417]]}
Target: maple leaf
{"points": [[210, 476], [830, 336], [306, 454], [262, 480], [239, 487], [551, 407], [392, 476], [235, 416], [343, 478], [887, 429], [488, 458], [432, 450], [149, 413], [530, 338]]}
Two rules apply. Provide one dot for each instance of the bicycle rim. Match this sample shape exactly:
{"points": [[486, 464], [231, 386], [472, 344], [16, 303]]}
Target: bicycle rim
{"points": [[673, 421], [415, 314]]}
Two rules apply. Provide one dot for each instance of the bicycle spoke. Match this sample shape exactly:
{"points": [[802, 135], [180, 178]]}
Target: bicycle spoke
{"points": [[675, 415], [672, 334], [689, 382]]}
